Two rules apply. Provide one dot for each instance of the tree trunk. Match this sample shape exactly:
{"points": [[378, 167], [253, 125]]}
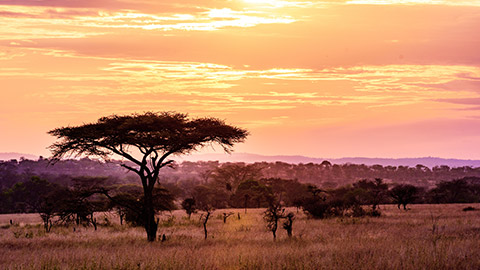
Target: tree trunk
{"points": [[288, 225], [121, 215], [274, 229], [47, 224], [205, 230], [151, 225], [205, 225]]}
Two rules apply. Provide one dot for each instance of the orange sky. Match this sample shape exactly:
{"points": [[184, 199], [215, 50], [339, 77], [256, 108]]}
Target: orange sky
{"points": [[372, 78]]}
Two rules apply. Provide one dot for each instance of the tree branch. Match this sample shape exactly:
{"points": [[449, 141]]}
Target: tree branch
{"points": [[130, 168]]}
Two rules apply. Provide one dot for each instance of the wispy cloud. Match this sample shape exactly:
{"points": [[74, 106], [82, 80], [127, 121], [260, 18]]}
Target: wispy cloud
{"points": [[38, 22], [215, 87]]}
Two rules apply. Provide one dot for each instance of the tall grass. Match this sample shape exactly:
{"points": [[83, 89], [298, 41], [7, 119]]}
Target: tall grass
{"points": [[426, 237]]}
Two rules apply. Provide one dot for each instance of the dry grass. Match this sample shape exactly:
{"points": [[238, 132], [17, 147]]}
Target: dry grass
{"points": [[427, 237]]}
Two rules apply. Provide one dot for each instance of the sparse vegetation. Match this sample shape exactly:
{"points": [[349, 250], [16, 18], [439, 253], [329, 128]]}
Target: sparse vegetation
{"points": [[412, 238]]}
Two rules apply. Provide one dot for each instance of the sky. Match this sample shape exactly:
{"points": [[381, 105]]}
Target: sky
{"points": [[369, 78]]}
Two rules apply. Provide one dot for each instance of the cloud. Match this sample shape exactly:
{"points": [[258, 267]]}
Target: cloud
{"points": [[124, 84], [38, 22], [473, 104], [261, 34]]}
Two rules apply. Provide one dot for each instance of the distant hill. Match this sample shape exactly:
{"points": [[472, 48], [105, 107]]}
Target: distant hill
{"points": [[411, 162], [9, 156]]}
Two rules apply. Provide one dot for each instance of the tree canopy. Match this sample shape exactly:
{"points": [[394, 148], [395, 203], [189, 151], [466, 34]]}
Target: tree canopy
{"points": [[155, 135]]}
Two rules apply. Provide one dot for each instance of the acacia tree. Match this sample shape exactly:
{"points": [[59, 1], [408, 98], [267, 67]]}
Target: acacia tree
{"points": [[403, 194], [146, 141]]}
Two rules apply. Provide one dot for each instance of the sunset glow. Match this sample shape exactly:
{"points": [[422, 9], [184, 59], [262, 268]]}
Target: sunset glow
{"points": [[317, 78]]}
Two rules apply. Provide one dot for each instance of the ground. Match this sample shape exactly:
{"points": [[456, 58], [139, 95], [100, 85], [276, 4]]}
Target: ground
{"points": [[425, 237]]}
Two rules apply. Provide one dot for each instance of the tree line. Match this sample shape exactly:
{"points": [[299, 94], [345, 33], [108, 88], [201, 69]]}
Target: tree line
{"points": [[76, 204], [188, 174]]}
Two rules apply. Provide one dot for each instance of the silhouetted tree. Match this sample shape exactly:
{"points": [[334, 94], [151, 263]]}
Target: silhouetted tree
{"points": [[315, 203], [156, 136], [208, 212], [207, 199], [230, 175], [403, 194], [189, 206], [288, 224], [273, 214], [249, 190], [226, 215], [456, 191], [375, 191]]}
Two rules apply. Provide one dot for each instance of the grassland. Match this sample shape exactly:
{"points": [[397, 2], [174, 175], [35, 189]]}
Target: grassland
{"points": [[426, 237]]}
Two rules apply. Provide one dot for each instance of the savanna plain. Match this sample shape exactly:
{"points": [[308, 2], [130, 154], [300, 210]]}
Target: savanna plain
{"points": [[424, 237]]}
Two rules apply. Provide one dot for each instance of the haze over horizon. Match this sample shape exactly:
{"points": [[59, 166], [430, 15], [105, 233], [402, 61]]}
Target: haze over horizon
{"points": [[334, 79]]}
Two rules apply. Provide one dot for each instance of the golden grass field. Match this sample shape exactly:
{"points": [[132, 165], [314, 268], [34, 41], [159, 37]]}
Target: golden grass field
{"points": [[426, 237]]}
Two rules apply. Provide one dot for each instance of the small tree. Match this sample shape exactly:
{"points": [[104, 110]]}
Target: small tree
{"points": [[207, 199], [189, 206], [403, 194], [374, 192], [247, 191], [315, 203], [272, 215], [50, 205], [288, 224], [226, 215], [155, 137], [208, 212]]}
